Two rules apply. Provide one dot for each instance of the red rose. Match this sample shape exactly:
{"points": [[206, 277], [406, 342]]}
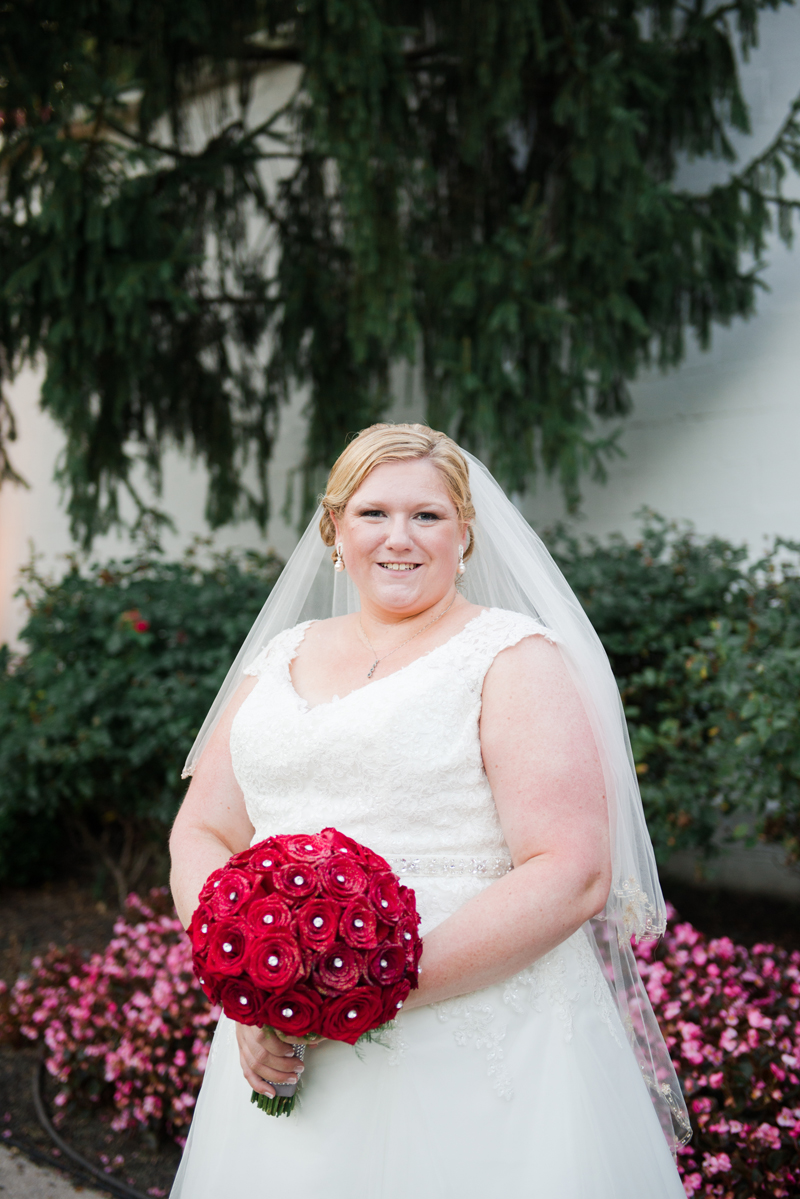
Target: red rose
{"points": [[226, 948], [360, 853], [211, 884], [339, 843], [384, 896], [211, 988], [199, 930], [351, 1015], [264, 857], [295, 1012], [232, 894], [275, 962], [358, 925], [338, 969], [409, 902], [241, 1001], [405, 933], [295, 882], [386, 965], [393, 999], [303, 848], [317, 923], [268, 914], [342, 879]]}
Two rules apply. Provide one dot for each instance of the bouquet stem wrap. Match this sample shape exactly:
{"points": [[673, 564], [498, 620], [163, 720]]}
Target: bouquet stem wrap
{"points": [[282, 1102]]}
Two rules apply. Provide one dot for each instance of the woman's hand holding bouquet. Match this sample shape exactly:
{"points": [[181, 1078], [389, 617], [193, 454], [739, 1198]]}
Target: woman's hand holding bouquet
{"points": [[309, 936]]}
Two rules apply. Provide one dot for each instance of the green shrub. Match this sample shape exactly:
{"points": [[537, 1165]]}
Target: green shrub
{"points": [[705, 648], [96, 718]]}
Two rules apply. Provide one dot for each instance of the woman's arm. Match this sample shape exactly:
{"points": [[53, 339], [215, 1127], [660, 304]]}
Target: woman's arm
{"points": [[542, 764], [212, 823]]}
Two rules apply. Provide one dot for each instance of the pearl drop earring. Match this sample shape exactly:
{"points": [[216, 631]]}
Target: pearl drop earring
{"points": [[461, 566], [339, 563]]}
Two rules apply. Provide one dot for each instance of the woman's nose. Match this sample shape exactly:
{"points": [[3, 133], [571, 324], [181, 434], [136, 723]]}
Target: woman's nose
{"points": [[399, 534]]}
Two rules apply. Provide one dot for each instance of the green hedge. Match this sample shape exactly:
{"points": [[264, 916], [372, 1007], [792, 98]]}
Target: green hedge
{"points": [[95, 721], [123, 662], [706, 648]]}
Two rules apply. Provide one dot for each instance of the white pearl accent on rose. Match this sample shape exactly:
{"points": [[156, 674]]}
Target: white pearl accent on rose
{"points": [[203, 928], [217, 883], [309, 847], [407, 936], [268, 918], [267, 862], [340, 878], [351, 1015], [384, 903], [338, 963], [384, 963], [226, 945], [318, 922], [287, 1012], [298, 880], [243, 1000], [358, 924], [399, 1003], [273, 959], [232, 896]]}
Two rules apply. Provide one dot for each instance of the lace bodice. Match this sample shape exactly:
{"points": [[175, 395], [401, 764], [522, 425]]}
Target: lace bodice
{"points": [[396, 764]]}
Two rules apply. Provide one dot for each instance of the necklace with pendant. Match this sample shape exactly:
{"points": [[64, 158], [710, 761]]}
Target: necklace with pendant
{"points": [[378, 660]]}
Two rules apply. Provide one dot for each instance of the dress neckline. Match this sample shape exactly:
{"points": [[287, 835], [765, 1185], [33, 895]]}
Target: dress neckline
{"points": [[304, 705]]}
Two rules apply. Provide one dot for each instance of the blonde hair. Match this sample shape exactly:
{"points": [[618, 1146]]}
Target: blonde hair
{"points": [[396, 443]]}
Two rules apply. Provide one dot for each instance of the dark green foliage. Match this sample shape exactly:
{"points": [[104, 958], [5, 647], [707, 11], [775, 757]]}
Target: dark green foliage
{"points": [[491, 180], [751, 664], [705, 648], [96, 719]]}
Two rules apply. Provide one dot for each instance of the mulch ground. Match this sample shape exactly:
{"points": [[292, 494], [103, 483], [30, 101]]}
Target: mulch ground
{"points": [[67, 913]]}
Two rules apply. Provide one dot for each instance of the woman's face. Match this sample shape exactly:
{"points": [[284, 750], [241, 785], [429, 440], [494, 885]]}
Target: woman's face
{"points": [[400, 534]]}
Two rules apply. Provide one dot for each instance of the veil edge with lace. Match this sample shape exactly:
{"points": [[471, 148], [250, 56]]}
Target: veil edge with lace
{"points": [[511, 568]]}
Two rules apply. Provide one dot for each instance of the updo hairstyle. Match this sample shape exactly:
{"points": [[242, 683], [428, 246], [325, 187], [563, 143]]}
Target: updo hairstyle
{"points": [[396, 443]]}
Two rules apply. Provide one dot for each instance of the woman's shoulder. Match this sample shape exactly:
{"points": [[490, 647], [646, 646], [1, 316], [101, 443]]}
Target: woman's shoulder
{"points": [[506, 626], [496, 632], [283, 646]]}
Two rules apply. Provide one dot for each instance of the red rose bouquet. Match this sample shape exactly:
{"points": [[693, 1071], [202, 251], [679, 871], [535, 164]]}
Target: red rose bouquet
{"points": [[307, 935]]}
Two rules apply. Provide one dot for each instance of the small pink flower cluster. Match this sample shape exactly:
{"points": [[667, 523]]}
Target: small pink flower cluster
{"points": [[130, 1026], [731, 1018]]}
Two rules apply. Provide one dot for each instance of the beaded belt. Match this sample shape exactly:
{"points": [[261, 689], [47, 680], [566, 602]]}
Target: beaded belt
{"points": [[430, 866]]}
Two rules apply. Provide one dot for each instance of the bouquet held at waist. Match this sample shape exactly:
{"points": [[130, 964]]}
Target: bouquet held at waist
{"points": [[309, 935]]}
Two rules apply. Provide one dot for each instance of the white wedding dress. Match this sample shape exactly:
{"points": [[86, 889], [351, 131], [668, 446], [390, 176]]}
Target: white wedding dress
{"points": [[527, 1089]]}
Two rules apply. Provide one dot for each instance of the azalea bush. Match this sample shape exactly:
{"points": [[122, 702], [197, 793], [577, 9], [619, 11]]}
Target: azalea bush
{"points": [[130, 1029], [705, 647], [122, 663]]}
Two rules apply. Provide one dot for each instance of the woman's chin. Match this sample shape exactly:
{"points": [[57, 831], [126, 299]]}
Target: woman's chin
{"points": [[398, 594]]}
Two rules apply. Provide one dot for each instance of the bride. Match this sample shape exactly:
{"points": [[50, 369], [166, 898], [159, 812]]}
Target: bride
{"points": [[450, 707]]}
